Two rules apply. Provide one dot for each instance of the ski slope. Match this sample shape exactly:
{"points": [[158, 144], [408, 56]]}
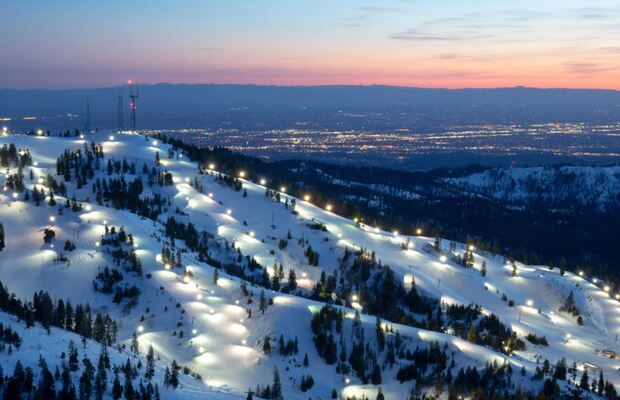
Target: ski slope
{"points": [[220, 342]]}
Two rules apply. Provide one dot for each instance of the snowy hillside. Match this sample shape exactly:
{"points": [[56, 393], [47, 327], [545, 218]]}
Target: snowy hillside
{"points": [[230, 278], [597, 187]]}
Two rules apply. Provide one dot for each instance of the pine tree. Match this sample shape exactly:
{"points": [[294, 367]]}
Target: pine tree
{"points": [[483, 268], [216, 276], [292, 279], [174, 374], [262, 302], [267, 346], [276, 387], [150, 364]]}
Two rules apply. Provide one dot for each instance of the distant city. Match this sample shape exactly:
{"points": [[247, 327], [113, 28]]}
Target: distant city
{"points": [[461, 145]]}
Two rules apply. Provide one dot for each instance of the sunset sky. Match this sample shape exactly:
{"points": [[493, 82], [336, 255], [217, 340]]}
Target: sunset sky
{"points": [[438, 43]]}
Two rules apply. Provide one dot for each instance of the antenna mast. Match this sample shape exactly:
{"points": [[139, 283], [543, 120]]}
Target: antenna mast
{"points": [[133, 95], [87, 124]]}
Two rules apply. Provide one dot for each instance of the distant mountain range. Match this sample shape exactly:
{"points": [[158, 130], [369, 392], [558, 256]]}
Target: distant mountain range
{"points": [[180, 105]]}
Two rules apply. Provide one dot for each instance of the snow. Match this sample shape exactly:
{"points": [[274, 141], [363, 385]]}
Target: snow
{"points": [[226, 349]]}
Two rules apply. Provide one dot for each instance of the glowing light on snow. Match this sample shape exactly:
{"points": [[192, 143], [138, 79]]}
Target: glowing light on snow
{"points": [[618, 297], [356, 220], [52, 218], [471, 247], [187, 180], [328, 207], [201, 349], [186, 279], [263, 182], [594, 280], [41, 180], [229, 212], [395, 233], [581, 273], [97, 244], [15, 195], [411, 245], [252, 234], [167, 267], [140, 329], [354, 297], [347, 380], [443, 258], [241, 174], [210, 195], [194, 331], [82, 136], [307, 198], [199, 296], [408, 279], [418, 231], [88, 207], [154, 142], [111, 138], [211, 166], [105, 221], [283, 189], [377, 229], [339, 236], [39, 132], [36, 163], [606, 288], [304, 274], [529, 303], [244, 342]]}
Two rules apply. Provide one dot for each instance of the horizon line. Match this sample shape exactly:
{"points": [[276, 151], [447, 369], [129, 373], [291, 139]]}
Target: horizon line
{"points": [[341, 85]]}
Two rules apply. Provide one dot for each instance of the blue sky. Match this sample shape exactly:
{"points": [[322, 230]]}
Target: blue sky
{"points": [[448, 43]]}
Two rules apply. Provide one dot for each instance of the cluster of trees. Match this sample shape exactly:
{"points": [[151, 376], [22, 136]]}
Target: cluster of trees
{"points": [[570, 307], [11, 158], [126, 196], [79, 319], [270, 392], [9, 337], [562, 372], [79, 165]]}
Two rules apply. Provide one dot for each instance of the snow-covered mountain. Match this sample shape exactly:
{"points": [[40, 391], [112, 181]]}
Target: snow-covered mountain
{"points": [[230, 278], [565, 186]]}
